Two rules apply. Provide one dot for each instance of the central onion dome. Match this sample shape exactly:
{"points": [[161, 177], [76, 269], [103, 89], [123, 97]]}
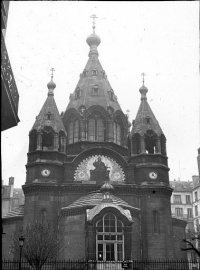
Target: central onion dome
{"points": [[93, 39]]}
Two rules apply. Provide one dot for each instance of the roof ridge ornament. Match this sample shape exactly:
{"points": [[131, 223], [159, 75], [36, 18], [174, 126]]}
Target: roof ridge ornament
{"points": [[143, 90], [143, 74], [93, 17], [51, 85], [52, 70]]}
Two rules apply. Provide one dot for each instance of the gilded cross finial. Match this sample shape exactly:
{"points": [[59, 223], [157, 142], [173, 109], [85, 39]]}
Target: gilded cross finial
{"points": [[52, 70], [93, 17], [143, 74]]}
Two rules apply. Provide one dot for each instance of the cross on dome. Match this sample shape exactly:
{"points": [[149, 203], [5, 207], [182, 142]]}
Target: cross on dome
{"points": [[52, 70], [143, 74], [93, 17]]}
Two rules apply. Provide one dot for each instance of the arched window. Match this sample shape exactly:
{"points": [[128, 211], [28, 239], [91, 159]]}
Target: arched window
{"points": [[61, 142], [155, 222], [91, 129], [150, 140], [47, 139], [73, 131], [110, 239], [117, 133], [96, 129]]}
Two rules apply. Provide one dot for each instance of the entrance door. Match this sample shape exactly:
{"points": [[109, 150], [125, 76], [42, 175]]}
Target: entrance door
{"points": [[110, 239], [110, 252]]}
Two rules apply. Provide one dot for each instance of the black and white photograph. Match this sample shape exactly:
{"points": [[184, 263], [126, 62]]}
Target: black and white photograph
{"points": [[100, 141]]}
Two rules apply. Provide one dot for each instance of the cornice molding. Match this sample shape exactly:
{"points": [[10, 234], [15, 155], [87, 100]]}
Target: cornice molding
{"points": [[71, 188]]}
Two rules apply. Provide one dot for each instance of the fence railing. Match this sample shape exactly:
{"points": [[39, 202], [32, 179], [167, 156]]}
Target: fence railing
{"points": [[108, 265]]}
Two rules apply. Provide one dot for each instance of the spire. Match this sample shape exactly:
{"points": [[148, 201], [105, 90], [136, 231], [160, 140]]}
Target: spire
{"points": [[143, 90], [49, 114], [93, 40], [93, 87], [51, 85], [145, 119]]}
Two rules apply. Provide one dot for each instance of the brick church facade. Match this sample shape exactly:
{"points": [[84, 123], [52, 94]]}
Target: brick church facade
{"points": [[100, 180]]}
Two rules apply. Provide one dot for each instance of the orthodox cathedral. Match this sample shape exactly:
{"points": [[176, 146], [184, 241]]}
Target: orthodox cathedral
{"points": [[100, 180]]}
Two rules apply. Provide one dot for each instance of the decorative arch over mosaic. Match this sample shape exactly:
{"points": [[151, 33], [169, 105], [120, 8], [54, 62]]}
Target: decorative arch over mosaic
{"points": [[86, 169]]}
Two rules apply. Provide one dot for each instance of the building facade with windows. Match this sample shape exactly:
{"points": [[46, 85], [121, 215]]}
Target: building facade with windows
{"points": [[185, 204], [100, 180]]}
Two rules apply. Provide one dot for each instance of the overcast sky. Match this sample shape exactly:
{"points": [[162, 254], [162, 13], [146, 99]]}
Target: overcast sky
{"points": [[160, 39]]}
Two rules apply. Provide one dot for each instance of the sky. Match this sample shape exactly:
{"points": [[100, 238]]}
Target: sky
{"points": [[160, 39]]}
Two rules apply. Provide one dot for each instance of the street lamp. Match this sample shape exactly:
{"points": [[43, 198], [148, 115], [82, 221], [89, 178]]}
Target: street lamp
{"points": [[21, 243]]}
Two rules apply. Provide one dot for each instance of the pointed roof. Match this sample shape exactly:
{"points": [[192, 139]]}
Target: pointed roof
{"points": [[49, 114], [93, 75], [93, 199], [145, 119]]}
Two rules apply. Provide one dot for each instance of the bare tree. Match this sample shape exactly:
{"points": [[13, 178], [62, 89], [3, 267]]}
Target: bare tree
{"points": [[41, 244], [192, 237]]}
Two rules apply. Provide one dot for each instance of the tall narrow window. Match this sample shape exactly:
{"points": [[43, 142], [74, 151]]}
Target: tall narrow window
{"points": [[100, 130], [188, 201], [117, 133], [110, 239], [196, 196], [70, 132], [91, 129], [96, 129], [43, 216], [76, 131], [47, 139], [177, 198], [196, 210], [73, 131], [179, 212], [155, 222], [189, 212]]}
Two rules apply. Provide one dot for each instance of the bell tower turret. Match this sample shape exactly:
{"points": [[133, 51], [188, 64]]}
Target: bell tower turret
{"points": [[47, 143], [148, 144]]}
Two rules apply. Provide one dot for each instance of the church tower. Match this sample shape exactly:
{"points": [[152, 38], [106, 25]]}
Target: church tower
{"points": [[149, 158], [45, 165]]}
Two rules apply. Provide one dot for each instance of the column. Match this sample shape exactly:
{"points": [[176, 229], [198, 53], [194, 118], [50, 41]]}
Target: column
{"points": [[55, 142], [158, 146], [63, 144], [142, 145], [110, 135], [163, 147], [39, 141]]}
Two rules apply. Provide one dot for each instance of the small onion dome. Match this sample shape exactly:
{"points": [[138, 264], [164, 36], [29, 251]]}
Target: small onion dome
{"points": [[107, 187], [51, 86], [143, 90], [93, 39]]}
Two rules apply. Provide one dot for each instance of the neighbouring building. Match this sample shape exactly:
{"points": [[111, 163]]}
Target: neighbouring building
{"points": [[101, 180], [185, 204], [9, 91], [12, 197]]}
